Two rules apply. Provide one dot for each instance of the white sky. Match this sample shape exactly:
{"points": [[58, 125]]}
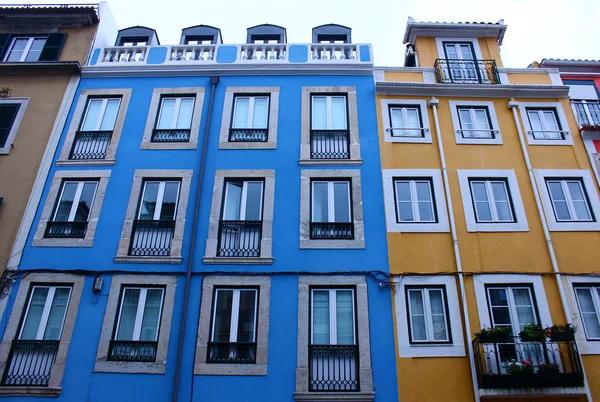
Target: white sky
{"points": [[536, 28]]}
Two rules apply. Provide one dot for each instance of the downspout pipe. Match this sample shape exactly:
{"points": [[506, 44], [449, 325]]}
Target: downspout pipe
{"points": [[433, 103], [214, 80], [513, 105]]}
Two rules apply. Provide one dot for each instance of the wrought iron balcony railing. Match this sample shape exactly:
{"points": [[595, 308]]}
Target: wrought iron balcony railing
{"points": [[239, 238], [175, 135], [332, 230], [151, 238], [517, 364], [333, 368], [72, 230], [132, 351], [248, 134], [588, 112], [30, 363], [330, 144], [231, 352], [90, 144], [466, 71]]}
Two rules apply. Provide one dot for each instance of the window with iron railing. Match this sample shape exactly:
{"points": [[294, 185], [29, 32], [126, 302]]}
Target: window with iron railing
{"points": [[545, 124], [331, 210], [173, 123], [475, 123], [587, 111], [406, 121], [72, 210], [250, 119], [97, 125], [329, 134]]}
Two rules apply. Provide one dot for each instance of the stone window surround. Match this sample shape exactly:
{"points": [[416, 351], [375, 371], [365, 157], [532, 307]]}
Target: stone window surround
{"points": [[204, 328], [80, 108], [439, 42], [366, 392], [14, 129], [266, 242], [512, 185], [585, 346], [157, 96], [560, 116], [438, 194], [387, 124], [226, 120], [305, 126], [49, 206], [58, 368], [110, 316], [306, 176], [132, 207], [493, 121]]}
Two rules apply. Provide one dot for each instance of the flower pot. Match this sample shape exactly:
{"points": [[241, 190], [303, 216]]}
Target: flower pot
{"points": [[562, 336], [496, 338], [532, 338]]}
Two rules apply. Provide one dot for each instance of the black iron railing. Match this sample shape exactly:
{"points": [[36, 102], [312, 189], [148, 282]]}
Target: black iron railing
{"points": [[588, 112], [230, 352], [239, 238], [30, 363], [331, 230], [132, 351], [175, 135], [90, 144], [248, 134], [66, 229], [333, 368], [330, 144], [517, 364], [151, 238], [466, 71]]}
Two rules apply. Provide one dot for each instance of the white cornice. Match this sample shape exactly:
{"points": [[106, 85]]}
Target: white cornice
{"points": [[460, 30], [476, 91]]}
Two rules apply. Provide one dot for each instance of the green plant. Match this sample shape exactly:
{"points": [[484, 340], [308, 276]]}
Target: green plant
{"points": [[486, 332], [533, 332], [523, 367], [548, 368], [562, 328]]}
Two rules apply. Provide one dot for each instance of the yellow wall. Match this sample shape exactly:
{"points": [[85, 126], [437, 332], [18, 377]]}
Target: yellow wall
{"points": [[529, 78], [401, 76], [427, 51]]}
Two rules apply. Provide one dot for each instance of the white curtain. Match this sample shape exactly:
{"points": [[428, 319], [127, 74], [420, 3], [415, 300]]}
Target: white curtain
{"points": [[320, 207], [425, 201], [186, 108], [501, 201], [319, 113], [129, 306], [589, 315], [338, 111], [417, 313], [240, 118], [345, 317], [261, 110], [438, 317], [110, 115], [321, 317]]}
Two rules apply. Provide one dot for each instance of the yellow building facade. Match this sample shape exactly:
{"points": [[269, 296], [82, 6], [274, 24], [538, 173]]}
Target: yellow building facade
{"points": [[493, 220]]}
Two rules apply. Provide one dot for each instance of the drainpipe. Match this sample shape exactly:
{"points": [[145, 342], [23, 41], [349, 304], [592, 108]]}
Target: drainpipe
{"points": [[214, 80], [513, 105], [433, 103]]}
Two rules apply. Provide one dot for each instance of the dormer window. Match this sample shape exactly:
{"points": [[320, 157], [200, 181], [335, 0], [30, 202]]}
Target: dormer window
{"points": [[265, 39], [25, 49], [133, 41], [198, 40]]}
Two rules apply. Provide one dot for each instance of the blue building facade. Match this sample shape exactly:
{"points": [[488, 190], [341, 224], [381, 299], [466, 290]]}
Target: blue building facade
{"points": [[211, 229]]}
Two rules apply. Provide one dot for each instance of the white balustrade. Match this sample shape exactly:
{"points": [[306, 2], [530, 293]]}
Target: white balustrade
{"points": [[264, 52], [124, 54], [192, 52], [333, 51]]}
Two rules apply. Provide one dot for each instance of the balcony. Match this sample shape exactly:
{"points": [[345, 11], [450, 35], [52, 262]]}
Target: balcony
{"points": [[90, 144], [331, 230], [230, 352], [172, 135], [30, 363], [248, 134], [239, 238], [588, 114], [151, 238], [66, 230], [466, 72], [329, 144], [552, 367], [333, 368], [132, 351]]}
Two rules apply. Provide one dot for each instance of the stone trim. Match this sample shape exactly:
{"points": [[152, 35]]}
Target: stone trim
{"points": [[561, 117], [491, 114], [198, 93], [134, 259], [111, 151], [362, 319], [306, 124], [262, 334], [386, 104], [14, 129], [55, 187], [266, 242], [20, 303], [230, 93], [110, 316], [357, 212], [184, 192]]}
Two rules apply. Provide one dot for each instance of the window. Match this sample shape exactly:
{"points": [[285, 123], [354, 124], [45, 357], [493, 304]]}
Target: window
{"points": [[249, 122], [588, 301], [427, 314], [406, 121], [331, 210], [8, 113], [25, 49], [511, 306], [35, 348], [134, 41], [329, 128], [97, 125], [569, 200], [72, 210], [154, 227], [460, 65], [174, 120], [587, 112], [475, 123], [544, 124], [491, 200], [136, 331], [333, 351], [414, 200], [233, 334]]}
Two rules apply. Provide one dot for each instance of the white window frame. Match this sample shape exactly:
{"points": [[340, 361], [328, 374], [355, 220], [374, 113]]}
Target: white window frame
{"points": [[544, 132], [30, 40], [331, 200], [12, 134], [250, 117], [541, 175], [386, 104], [46, 312], [456, 346], [329, 110], [235, 311], [492, 120], [569, 199], [560, 116], [438, 195], [491, 200], [520, 219], [101, 114], [473, 41], [596, 301], [137, 328], [403, 110], [159, 197], [512, 305], [427, 314], [244, 198], [76, 198], [176, 111], [585, 346], [414, 201], [332, 314]]}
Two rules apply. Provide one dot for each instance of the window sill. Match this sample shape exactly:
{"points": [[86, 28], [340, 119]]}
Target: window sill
{"points": [[248, 145], [130, 259], [230, 369], [240, 261], [335, 396], [566, 141], [329, 162], [332, 244], [58, 242], [86, 162], [5, 150], [574, 226], [30, 391], [169, 145], [483, 141], [408, 140], [497, 227], [129, 367]]}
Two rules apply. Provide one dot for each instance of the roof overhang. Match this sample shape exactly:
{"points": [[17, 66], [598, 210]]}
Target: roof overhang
{"points": [[453, 29], [41, 68], [44, 16], [572, 66]]}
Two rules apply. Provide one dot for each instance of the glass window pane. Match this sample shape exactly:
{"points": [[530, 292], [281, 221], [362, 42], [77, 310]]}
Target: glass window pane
{"points": [[247, 316], [321, 317], [499, 191], [233, 199], [481, 119], [501, 200], [151, 316], [557, 195], [479, 191], [438, 317], [320, 204], [148, 204], [85, 202], [34, 314], [417, 314], [451, 51], [466, 52], [575, 191], [240, 116], [57, 314], [131, 298], [341, 202], [412, 118], [345, 317], [222, 319], [110, 115], [425, 201], [186, 108], [534, 120], [319, 113], [550, 121], [16, 52], [261, 112], [91, 116], [397, 121], [35, 50], [404, 202], [465, 121], [338, 119], [254, 201], [439, 328], [588, 312], [165, 119], [169, 203], [66, 201], [482, 206]]}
